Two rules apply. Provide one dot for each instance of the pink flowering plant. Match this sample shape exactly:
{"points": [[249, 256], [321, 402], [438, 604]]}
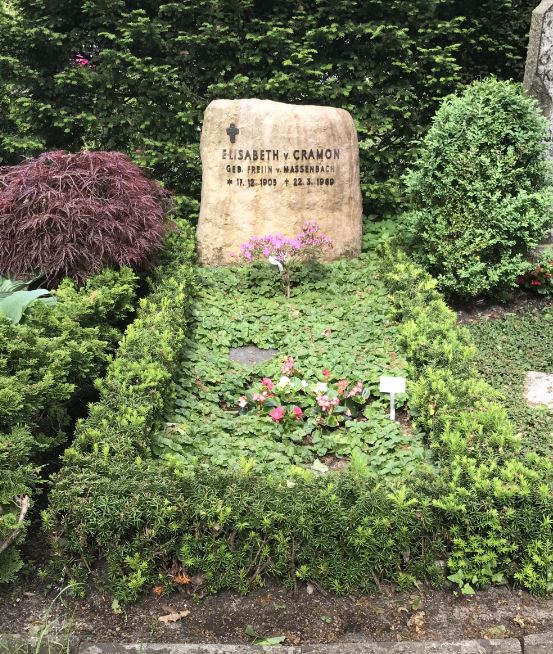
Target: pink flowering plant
{"points": [[539, 277], [285, 253], [326, 402]]}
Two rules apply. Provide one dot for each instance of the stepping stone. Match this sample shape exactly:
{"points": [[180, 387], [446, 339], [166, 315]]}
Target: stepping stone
{"points": [[539, 389], [249, 355]]}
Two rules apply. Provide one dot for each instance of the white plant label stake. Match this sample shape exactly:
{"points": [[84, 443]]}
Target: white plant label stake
{"points": [[276, 262], [393, 386]]}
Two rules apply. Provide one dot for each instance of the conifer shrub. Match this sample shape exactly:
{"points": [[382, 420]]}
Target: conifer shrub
{"points": [[71, 215], [480, 190], [48, 364]]}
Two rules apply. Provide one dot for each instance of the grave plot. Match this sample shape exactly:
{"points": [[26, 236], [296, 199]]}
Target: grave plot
{"points": [[276, 383]]}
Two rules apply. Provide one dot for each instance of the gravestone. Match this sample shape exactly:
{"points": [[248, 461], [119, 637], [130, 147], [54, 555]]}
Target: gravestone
{"points": [[538, 76], [267, 167]]}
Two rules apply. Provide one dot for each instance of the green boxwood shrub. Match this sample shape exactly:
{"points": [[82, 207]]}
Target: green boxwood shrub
{"points": [[480, 506], [480, 189]]}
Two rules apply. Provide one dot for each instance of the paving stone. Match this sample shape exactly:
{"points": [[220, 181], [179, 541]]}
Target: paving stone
{"points": [[539, 644], [250, 354], [539, 389], [178, 648], [506, 646]]}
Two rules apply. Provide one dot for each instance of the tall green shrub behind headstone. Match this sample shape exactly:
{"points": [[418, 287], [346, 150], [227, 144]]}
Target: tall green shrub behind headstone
{"points": [[152, 68], [480, 189]]}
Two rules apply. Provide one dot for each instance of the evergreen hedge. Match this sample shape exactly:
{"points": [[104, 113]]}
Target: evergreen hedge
{"points": [[480, 513], [137, 76], [48, 364], [480, 190]]}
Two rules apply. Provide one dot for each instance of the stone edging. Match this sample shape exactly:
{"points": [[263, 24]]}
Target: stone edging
{"points": [[533, 644]]}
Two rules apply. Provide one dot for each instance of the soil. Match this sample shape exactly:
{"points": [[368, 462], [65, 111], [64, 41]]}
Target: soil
{"points": [[481, 309], [305, 616]]}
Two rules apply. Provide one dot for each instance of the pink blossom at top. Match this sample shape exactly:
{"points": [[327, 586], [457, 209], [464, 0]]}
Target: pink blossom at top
{"points": [[306, 245], [342, 385], [356, 390], [81, 60], [288, 366], [298, 413], [326, 403], [277, 414], [268, 383]]}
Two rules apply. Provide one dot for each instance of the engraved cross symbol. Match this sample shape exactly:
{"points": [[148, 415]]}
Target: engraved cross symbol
{"points": [[232, 131]]}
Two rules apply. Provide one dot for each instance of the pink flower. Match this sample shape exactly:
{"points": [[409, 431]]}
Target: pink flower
{"points": [[356, 390], [277, 414], [268, 383], [326, 373], [259, 397], [81, 60], [298, 413], [324, 402], [342, 385], [243, 401], [288, 366]]}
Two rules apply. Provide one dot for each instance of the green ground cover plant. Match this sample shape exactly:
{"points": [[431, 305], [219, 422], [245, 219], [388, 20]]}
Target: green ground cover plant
{"points": [[137, 76], [480, 190], [335, 326], [508, 348], [480, 514]]}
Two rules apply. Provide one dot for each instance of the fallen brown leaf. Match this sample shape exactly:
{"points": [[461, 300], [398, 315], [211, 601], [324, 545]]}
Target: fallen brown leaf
{"points": [[417, 621], [173, 617]]}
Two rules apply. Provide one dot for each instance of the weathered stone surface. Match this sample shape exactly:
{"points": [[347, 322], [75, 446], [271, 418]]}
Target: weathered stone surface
{"points": [[267, 167], [538, 76], [178, 648], [249, 355], [538, 643], [507, 646], [539, 389]]}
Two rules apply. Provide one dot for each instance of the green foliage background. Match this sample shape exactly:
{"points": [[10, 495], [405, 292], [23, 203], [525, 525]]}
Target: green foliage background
{"points": [[157, 65]]}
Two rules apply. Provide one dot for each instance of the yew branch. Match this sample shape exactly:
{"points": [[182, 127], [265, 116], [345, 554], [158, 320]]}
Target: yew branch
{"points": [[23, 503]]}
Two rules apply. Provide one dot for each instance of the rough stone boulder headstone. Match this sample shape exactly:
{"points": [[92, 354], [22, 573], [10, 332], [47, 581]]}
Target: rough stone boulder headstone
{"points": [[538, 75], [267, 167]]}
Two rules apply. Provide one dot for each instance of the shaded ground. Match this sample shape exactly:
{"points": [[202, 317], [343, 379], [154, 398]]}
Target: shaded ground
{"points": [[308, 616], [521, 302]]}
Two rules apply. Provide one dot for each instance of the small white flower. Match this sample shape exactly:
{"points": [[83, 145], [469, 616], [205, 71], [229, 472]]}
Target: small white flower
{"points": [[304, 383], [320, 388], [283, 382]]}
